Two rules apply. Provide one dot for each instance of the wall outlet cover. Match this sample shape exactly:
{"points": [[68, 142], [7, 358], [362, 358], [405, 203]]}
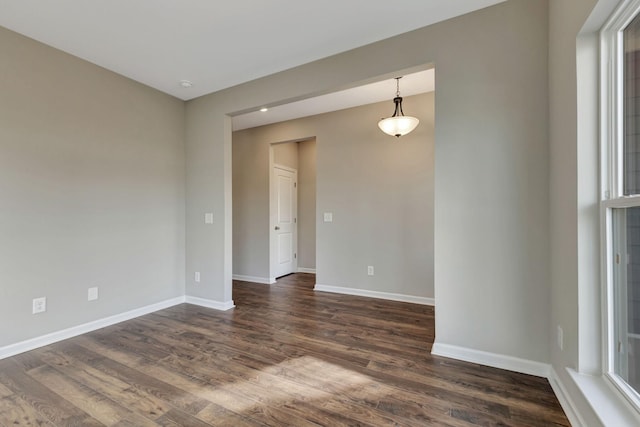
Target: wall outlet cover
{"points": [[92, 294], [39, 305], [560, 338]]}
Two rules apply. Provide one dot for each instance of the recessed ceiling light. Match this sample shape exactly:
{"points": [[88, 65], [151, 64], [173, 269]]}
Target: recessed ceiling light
{"points": [[185, 83], [264, 109]]}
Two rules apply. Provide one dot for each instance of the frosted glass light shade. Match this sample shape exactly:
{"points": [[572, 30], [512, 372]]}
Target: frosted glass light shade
{"points": [[398, 125]]}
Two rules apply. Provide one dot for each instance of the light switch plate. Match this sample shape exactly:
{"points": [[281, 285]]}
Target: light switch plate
{"points": [[328, 217], [208, 218]]}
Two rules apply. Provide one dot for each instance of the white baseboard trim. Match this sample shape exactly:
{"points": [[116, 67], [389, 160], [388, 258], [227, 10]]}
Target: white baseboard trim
{"points": [[255, 279], [495, 360], [306, 270], [374, 294], [208, 303], [33, 343], [568, 406]]}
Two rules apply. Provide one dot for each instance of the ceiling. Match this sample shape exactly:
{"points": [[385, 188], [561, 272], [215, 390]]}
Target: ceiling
{"points": [[411, 84], [217, 44]]}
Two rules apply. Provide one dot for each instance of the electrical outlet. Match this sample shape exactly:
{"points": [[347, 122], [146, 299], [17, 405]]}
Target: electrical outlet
{"points": [[39, 305], [208, 218], [197, 277], [560, 337], [92, 294], [370, 270]]}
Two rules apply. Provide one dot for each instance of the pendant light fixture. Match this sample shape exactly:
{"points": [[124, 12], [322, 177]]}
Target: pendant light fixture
{"points": [[398, 124]]}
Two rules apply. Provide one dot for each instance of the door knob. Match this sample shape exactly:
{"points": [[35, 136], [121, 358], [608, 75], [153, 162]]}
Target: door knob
{"points": [[277, 228]]}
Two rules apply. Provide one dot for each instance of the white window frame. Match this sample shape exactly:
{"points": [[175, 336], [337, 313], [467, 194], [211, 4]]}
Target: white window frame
{"points": [[612, 178]]}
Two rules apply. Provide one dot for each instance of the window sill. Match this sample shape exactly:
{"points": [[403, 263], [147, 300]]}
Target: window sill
{"points": [[610, 407]]}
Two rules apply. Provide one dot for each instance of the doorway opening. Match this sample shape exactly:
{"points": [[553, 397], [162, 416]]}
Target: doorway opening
{"points": [[292, 208], [274, 206], [366, 180]]}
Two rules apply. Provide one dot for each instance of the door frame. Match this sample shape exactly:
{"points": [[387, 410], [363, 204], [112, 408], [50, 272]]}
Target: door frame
{"points": [[273, 244]]}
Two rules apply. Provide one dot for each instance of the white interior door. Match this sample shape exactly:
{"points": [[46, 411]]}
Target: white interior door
{"points": [[284, 227]]}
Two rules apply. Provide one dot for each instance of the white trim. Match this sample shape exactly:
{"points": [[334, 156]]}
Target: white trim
{"points": [[255, 279], [564, 397], [621, 203], [495, 360], [604, 400], [208, 303], [53, 337], [284, 167], [74, 331], [306, 270], [600, 388], [374, 294]]}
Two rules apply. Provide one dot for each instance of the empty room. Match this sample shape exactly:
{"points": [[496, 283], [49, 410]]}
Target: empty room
{"points": [[406, 213]]}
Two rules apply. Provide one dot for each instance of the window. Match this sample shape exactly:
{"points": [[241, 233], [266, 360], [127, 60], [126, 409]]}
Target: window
{"points": [[626, 287], [621, 197]]}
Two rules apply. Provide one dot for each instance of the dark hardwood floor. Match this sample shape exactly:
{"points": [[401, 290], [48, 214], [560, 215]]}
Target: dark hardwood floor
{"points": [[286, 355]]}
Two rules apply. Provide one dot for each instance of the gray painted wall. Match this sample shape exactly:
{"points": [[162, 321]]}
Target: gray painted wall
{"points": [[286, 154], [250, 189], [307, 204], [566, 19], [491, 170], [91, 187], [379, 189], [491, 266], [574, 197]]}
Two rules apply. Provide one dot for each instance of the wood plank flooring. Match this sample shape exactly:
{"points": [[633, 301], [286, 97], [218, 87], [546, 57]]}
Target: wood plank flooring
{"points": [[285, 356]]}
